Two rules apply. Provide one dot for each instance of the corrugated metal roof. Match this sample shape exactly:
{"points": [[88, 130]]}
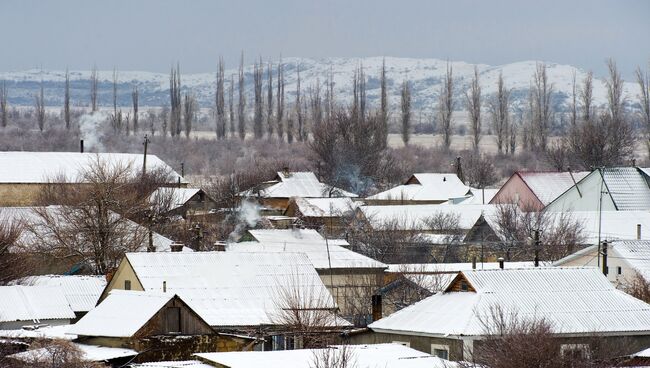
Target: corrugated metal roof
{"points": [[121, 314], [82, 292], [231, 288], [549, 185], [636, 253], [300, 184], [174, 364], [33, 303], [452, 267], [628, 188], [38, 167], [573, 300], [417, 217], [361, 356], [432, 187]]}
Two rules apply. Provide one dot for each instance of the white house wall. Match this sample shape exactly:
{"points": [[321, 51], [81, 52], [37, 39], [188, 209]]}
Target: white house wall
{"points": [[587, 200]]}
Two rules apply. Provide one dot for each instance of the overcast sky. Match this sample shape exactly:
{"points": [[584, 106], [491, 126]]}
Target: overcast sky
{"points": [[151, 34]]}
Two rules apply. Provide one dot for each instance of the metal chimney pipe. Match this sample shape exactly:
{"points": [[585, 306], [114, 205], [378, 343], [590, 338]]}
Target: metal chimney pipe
{"points": [[501, 262], [638, 231], [164, 286], [81, 146], [474, 263]]}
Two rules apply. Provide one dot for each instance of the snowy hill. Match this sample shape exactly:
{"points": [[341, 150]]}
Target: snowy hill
{"points": [[425, 76]]}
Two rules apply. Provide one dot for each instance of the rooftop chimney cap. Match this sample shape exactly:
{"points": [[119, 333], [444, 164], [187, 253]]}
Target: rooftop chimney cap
{"points": [[501, 262]]}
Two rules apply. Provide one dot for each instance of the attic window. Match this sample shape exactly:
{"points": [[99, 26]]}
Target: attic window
{"points": [[464, 286], [127, 284]]}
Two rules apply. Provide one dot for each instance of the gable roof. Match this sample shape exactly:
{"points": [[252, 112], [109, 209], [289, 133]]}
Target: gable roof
{"points": [[547, 186], [230, 288], [33, 303], [415, 217], [177, 196], [426, 187], [325, 207], [628, 188], [81, 292], [39, 167], [573, 300], [361, 356], [298, 184], [122, 314], [294, 235]]}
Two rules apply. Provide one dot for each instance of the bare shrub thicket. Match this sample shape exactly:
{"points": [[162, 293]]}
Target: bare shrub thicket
{"points": [[340, 356], [13, 263], [638, 287], [53, 354]]}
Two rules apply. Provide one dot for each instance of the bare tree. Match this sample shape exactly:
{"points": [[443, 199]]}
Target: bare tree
{"points": [[638, 287], [115, 76], [473, 97], [94, 84], [614, 85], [445, 107], [513, 133], [574, 98], [258, 115], [586, 97], [298, 107], [241, 106], [164, 120], [3, 105], [11, 262], [231, 105], [382, 136], [189, 112], [219, 101], [269, 101], [333, 357], [542, 106], [315, 104], [279, 116], [499, 110], [55, 354], [66, 100], [643, 80], [290, 128], [40, 108], [405, 104], [175, 125], [329, 95], [134, 99]]}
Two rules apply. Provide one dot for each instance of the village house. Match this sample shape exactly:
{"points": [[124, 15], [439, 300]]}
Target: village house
{"points": [[607, 189], [423, 188], [81, 291], [158, 325], [24, 175], [350, 277], [33, 307], [361, 356], [534, 190], [626, 260], [331, 214], [234, 292], [183, 202], [274, 196], [452, 324]]}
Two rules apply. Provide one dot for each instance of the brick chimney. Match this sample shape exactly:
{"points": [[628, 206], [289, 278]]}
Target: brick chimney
{"points": [[176, 247]]}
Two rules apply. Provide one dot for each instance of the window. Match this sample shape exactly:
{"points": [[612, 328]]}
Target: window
{"points": [[403, 343], [127, 284], [575, 350], [619, 270], [174, 320], [441, 351], [463, 286]]}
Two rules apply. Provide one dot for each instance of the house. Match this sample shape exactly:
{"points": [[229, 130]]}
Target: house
{"points": [[422, 188], [183, 201], [22, 306], [534, 190], [234, 292], [81, 291], [23, 175], [406, 284], [359, 356], [274, 195], [350, 277], [626, 259], [90, 353], [606, 189], [451, 324], [329, 213]]}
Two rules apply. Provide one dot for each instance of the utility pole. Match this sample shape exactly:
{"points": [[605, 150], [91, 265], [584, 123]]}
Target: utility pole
{"points": [[144, 161], [537, 244]]}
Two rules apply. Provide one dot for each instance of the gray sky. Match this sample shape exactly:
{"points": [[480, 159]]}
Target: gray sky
{"points": [[151, 34]]}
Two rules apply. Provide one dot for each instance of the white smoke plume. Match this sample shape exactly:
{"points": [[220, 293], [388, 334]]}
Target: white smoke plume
{"points": [[248, 215], [90, 129]]}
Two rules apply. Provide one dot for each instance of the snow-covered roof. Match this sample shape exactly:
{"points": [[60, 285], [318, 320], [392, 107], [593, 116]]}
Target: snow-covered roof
{"points": [[33, 303], [340, 257], [325, 207], [30, 215], [230, 288], [452, 267], [92, 353], [572, 300], [416, 217], [43, 332], [39, 167], [121, 314], [173, 364], [628, 188], [429, 187], [177, 197], [294, 235], [549, 185], [361, 356], [81, 292], [476, 196], [299, 184]]}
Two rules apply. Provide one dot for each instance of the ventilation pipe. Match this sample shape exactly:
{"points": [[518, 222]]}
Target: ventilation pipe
{"points": [[164, 286], [474, 263], [638, 231], [81, 146], [501, 262]]}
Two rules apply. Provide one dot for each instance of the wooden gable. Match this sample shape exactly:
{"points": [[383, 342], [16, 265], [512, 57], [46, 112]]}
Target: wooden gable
{"points": [[460, 284], [175, 318]]}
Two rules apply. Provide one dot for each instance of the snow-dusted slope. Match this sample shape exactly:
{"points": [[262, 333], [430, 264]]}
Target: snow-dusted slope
{"points": [[424, 74]]}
